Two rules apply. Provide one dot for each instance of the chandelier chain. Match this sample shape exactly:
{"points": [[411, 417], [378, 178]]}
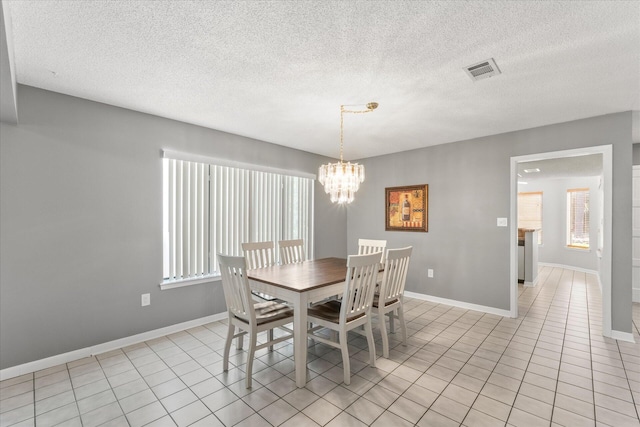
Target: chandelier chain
{"points": [[370, 107]]}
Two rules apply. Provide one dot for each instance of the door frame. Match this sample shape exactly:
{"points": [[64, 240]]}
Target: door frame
{"points": [[604, 270]]}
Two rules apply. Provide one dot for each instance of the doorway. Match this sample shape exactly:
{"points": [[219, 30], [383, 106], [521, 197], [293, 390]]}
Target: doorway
{"points": [[604, 241]]}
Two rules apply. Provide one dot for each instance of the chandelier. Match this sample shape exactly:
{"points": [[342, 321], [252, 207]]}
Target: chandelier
{"points": [[341, 180]]}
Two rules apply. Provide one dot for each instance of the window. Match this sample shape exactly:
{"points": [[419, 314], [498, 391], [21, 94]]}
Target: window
{"points": [[211, 209], [578, 218], [530, 212]]}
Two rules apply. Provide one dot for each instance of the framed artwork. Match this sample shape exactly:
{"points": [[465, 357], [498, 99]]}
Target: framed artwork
{"points": [[406, 208]]}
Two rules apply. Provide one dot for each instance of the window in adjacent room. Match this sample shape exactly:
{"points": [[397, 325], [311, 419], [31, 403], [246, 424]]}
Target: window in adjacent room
{"points": [[530, 212], [578, 218], [210, 209]]}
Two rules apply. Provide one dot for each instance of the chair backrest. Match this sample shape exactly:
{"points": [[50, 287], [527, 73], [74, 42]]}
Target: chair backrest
{"points": [[368, 246], [362, 272], [235, 284], [291, 251], [395, 274], [258, 254]]}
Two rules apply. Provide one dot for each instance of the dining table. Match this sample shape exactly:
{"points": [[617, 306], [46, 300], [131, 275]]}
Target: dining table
{"points": [[300, 284]]}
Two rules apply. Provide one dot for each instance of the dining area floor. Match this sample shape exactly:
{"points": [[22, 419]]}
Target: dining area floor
{"points": [[550, 366]]}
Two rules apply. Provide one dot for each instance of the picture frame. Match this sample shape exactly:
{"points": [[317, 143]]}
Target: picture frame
{"points": [[407, 208]]}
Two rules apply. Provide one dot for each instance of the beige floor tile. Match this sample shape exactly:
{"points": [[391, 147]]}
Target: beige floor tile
{"points": [[321, 411], [434, 419]]}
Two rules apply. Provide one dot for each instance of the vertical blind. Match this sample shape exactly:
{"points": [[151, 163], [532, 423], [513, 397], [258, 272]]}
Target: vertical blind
{"points": [[211, 209], [578, 218], [530, 212]]}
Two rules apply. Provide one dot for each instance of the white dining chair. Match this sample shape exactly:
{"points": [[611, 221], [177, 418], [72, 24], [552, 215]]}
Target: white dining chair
{"points": [[368, 246], [248, 316], [291, 251], [352, 311], [258, 254], [388, 301]]}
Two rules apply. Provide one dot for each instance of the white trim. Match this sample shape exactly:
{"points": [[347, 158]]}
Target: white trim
{"points": [[532, 284], [635, 296], [49, 362], [604, 274], [460, 304], [178, 155], [173, 284], [513, 237], [569, 267], [622, 336]]}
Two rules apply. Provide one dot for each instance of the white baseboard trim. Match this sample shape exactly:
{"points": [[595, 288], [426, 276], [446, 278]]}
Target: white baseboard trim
{"points": [[532, 284], [568, 267], [636, 295], [622, 336], [49, 362], [460, 304]]}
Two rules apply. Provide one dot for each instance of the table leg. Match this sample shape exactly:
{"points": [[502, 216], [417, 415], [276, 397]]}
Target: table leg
{"points": [[300, 338]]}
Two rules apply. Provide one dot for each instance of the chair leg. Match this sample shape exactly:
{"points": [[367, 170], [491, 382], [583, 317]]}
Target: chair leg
{"points": [[239, 342], [270, 338], [403, 324], [382, 322], [372, 344], [252, 352], [345, 356], [227, 346]]}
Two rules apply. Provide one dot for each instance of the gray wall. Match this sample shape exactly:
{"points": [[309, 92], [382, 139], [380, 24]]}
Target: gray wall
{"points": [[554, 221], [81, 222], [636, 154], [469, 185]]}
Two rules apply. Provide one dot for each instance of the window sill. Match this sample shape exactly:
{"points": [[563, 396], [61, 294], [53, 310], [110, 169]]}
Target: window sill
{"points": [[173, 284], [578, 248]]}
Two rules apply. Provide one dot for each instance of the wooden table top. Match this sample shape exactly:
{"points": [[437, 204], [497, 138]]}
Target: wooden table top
{"points": [[303, 276]]}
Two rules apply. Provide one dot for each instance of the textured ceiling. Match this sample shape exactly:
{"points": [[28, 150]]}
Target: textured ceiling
{"points": [[278, 71], [565, 167]]}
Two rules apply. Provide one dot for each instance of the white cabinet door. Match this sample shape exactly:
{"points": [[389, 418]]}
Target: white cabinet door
{"points": [[636, 234]]}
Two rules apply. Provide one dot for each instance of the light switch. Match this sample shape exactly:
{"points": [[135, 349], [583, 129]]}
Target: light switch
{"points": [[502, 222]]}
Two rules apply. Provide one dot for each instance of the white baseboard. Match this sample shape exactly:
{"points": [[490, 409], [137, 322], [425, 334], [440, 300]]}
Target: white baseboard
{"points": [[636, 295], [532, 284], [49, 362], [569, 267], [460, 304], [622, 336]]}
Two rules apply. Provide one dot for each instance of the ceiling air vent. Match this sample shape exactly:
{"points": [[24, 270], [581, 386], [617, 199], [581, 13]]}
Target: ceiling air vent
{"points": [[482, 70]]}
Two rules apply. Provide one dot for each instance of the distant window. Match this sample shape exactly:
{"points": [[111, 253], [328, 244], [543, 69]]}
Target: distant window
{"points": [[578, 218], [530, 212]]}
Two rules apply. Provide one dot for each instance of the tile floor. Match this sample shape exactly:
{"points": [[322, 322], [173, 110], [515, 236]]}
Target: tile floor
{"points": [[551, 366]]}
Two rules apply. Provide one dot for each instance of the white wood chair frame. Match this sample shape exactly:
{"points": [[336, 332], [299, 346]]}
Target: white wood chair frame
{"points": [[258, 254], [389, 300], [291, 251], [368, 246], [354, 311], [242, 314]]}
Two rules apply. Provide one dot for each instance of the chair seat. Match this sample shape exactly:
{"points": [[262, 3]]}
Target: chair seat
{"points": [[270, 311], [330, 311], [376, 301]]}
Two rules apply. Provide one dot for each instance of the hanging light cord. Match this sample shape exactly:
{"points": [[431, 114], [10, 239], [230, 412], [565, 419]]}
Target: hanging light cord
{"points": [[370, 107]]}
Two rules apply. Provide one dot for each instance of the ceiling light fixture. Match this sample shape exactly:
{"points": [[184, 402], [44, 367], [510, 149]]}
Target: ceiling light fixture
{"points": [[341, 180], [532, 170]]}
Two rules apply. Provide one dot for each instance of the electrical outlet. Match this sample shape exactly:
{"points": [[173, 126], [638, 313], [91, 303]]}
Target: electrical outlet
{"points": [[430, 273], [502, 222], [146, 300]]}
